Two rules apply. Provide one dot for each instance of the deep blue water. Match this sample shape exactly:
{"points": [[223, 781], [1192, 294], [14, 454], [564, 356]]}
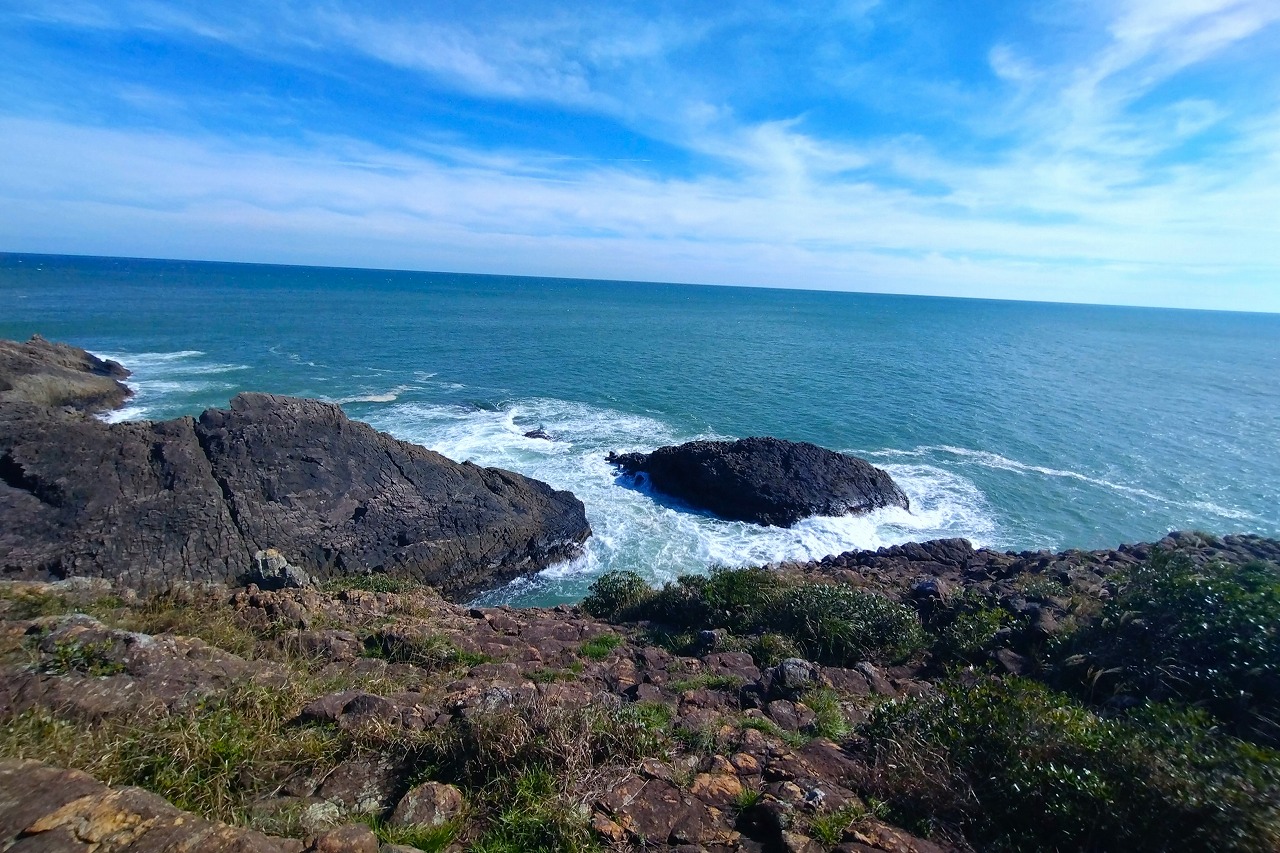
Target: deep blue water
{"points": [[1018, 425]]}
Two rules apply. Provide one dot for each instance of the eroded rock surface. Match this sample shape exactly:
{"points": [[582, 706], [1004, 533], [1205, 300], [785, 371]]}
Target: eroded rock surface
{"points": [[153, 503], [51, 374], [765, 480]]}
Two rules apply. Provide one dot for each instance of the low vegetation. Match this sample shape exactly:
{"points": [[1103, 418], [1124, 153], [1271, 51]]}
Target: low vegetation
{"points": [[1011, 765], [1148, 723], [826, 622]]}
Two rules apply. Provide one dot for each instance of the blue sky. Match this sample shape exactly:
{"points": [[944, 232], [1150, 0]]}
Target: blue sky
{"points": [[1124, 151]]}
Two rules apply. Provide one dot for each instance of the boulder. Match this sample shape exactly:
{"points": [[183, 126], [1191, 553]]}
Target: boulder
{"points": [[428, 804], [764, 480], [59, 375], [154, 503]]}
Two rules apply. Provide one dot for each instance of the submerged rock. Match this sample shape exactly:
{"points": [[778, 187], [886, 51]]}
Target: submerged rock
{"points": [[765, 480], [196, 500]]}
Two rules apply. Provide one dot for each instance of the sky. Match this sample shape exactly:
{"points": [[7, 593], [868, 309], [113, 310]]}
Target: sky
{"points": [[1109, 151]]}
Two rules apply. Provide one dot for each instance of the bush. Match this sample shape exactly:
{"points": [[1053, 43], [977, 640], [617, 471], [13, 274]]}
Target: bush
{"points": [[614, 592], [832, 623], [1206, 634], [1015, 766], [841, 625]]}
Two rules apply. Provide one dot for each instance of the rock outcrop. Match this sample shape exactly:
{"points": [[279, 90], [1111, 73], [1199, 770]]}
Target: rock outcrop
{"points": [[765, 480], [59, 375], [152, 503]]}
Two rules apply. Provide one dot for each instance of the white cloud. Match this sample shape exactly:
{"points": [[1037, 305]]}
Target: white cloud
{"points": [[85, 190]]}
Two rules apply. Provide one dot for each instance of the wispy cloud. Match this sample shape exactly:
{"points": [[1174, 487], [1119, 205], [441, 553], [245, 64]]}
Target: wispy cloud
{"points": [[1110, 173]]}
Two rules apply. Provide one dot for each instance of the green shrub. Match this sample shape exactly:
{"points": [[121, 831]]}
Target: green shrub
{"points": [[94, 659], [971, 633], [1015, 766], [1208, 635], [614, 592], [736, 598], [771, 649], [841, 625]]}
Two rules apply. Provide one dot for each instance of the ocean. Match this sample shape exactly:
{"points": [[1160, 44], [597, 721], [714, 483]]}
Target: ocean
{"points": [[1016, 425]]}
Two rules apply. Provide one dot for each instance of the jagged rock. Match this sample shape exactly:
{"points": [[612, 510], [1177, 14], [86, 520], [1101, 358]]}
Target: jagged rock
{"points": [[59, 375], [151, 504], [764, 480], [272, 571]]}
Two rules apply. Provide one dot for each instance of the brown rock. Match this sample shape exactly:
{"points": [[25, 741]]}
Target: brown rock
{"points": [[352, 838], [716, 789], [62, 811], [429, 804]]}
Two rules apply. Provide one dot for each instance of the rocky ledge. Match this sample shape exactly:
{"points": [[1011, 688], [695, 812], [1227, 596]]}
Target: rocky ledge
{"points": [[151, 503], [59, 375], [764, 480], [280, 489]]}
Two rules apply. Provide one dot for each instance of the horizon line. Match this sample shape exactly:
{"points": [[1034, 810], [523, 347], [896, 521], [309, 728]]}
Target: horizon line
{"points": [[1263, 312]]}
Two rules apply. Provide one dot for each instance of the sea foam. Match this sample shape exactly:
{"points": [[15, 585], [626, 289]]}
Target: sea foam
{"points": [[653, 536]]}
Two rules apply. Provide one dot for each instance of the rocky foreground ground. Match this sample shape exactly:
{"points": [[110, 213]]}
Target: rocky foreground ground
{"points": [[332, 718]]}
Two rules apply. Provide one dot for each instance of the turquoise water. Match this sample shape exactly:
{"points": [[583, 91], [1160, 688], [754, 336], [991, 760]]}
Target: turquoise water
{"points": [[1017, 425]]}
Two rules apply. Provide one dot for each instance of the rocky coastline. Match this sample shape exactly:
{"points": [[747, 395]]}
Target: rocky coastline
{"points": [[274, 659], [200, 500]]}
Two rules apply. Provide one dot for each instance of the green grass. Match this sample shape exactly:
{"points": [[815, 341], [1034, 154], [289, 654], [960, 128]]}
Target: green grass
{"points": [[599, 647], [537, 818], [707, 681], [428, 839], [828, 827], [212, 758], [376, 582], [829, 718], [431, 652]]}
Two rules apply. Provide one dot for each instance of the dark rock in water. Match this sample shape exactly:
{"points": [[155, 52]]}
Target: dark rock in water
{"points": [[185, 500], [765, 480], [59, 375], [538, 433]]}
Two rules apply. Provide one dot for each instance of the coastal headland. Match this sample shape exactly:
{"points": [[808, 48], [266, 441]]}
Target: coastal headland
{"points": [[241, 632]]}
